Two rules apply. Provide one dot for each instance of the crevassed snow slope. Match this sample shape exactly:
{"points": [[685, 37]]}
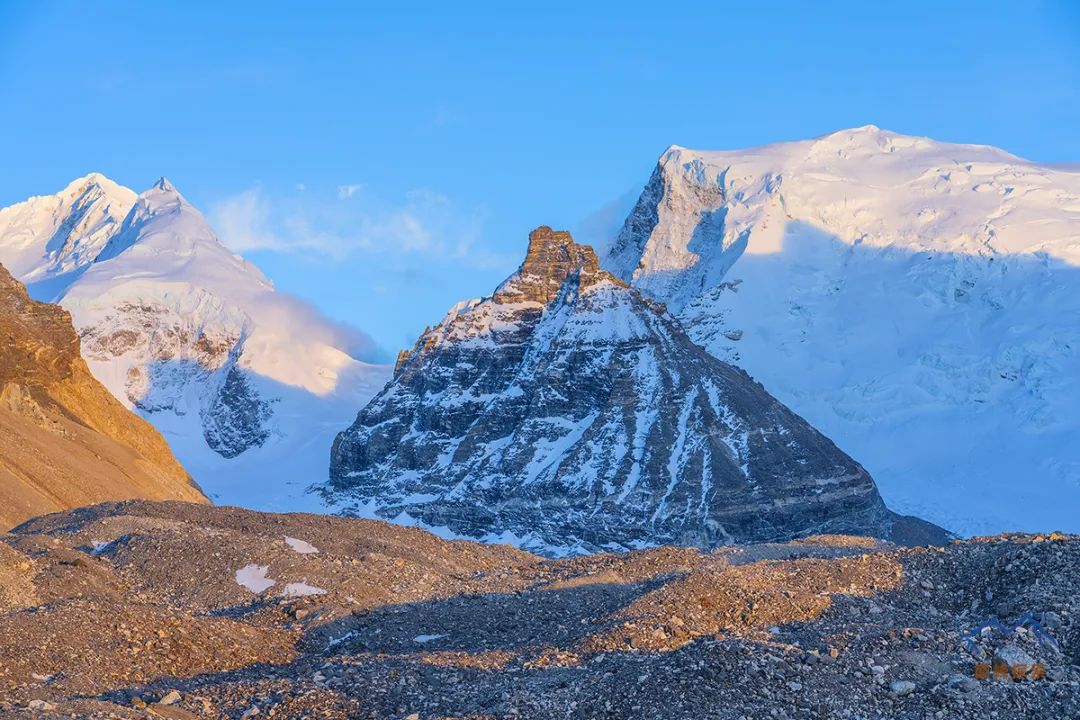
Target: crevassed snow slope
{"points": [[917, 301], [247, 384]]}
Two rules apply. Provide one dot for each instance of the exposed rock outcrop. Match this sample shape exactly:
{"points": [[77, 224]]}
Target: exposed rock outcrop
{"points": [[568, 412]]}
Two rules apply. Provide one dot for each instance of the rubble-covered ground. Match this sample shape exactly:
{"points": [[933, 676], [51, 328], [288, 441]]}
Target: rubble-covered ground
{"points": [[143, 610]]}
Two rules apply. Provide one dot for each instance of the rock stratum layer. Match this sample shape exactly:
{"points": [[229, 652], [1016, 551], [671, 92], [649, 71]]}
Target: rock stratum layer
{"points": [[569, 413], [64, 440]]}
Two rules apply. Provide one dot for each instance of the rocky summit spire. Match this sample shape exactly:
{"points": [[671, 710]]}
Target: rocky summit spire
{"points": [[552, 257], [164, 185], [569, 413]]}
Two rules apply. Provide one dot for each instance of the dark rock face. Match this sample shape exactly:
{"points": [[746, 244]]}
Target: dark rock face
{"points": [[237, 417], [186, 356], [574, 413]]}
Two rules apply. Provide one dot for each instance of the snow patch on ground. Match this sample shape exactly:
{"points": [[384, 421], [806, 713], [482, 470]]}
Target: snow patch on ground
{"points": [[301, 546], [253, 577], [301, 589]]}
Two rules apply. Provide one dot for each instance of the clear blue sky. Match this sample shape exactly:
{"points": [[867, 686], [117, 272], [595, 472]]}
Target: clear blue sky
{"points": [[386, 163]]}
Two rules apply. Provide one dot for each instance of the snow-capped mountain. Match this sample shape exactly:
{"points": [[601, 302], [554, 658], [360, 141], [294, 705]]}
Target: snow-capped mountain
{"points": [[566, 413], [47, 240], [249, 385], [917, 301]]}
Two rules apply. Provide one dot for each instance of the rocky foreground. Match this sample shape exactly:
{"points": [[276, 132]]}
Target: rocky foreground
{"points": [[175, 610]]}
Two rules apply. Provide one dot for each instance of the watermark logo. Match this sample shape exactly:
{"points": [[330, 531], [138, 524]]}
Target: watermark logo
{"points": [[1001, 669]]}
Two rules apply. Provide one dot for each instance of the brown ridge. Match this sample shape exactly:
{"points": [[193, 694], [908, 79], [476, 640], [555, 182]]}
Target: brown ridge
{"points": [[65, 441]]}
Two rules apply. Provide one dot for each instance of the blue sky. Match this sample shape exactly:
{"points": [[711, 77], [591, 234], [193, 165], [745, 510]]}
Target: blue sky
{"points": [[385, 163]]}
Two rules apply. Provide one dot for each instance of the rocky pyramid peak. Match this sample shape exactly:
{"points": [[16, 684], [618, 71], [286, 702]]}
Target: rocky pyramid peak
{"points": [[567, 413]]}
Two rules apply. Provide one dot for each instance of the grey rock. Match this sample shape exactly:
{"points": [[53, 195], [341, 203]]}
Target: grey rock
{"points": [[900, 688], [962, 683], [1051, 620], [1013, 655], [170, 698]]}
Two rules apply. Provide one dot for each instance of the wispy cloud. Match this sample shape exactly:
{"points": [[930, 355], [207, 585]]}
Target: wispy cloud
{"points": [[423, 222], [344, 192]]}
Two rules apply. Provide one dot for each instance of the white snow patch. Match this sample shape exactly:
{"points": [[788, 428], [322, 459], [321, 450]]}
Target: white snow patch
{"points": [[426, 638], [253, 577], [301, 546], [301, 589], [334, 642]]}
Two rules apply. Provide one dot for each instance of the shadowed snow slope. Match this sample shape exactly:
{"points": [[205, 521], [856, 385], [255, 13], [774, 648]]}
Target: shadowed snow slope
{"points": [[567, 413], [248, 384], [917, 301]]}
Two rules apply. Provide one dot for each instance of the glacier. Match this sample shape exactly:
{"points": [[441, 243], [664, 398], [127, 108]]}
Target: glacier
{"points": [[914, 300]]}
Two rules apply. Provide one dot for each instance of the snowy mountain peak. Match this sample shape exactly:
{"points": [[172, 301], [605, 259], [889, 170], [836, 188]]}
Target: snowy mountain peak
{"points": [[895, 290], [864, 132], [46, 240], [701, 210], [95, 181], [163, 225], [191, 335], [162, 196]]}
